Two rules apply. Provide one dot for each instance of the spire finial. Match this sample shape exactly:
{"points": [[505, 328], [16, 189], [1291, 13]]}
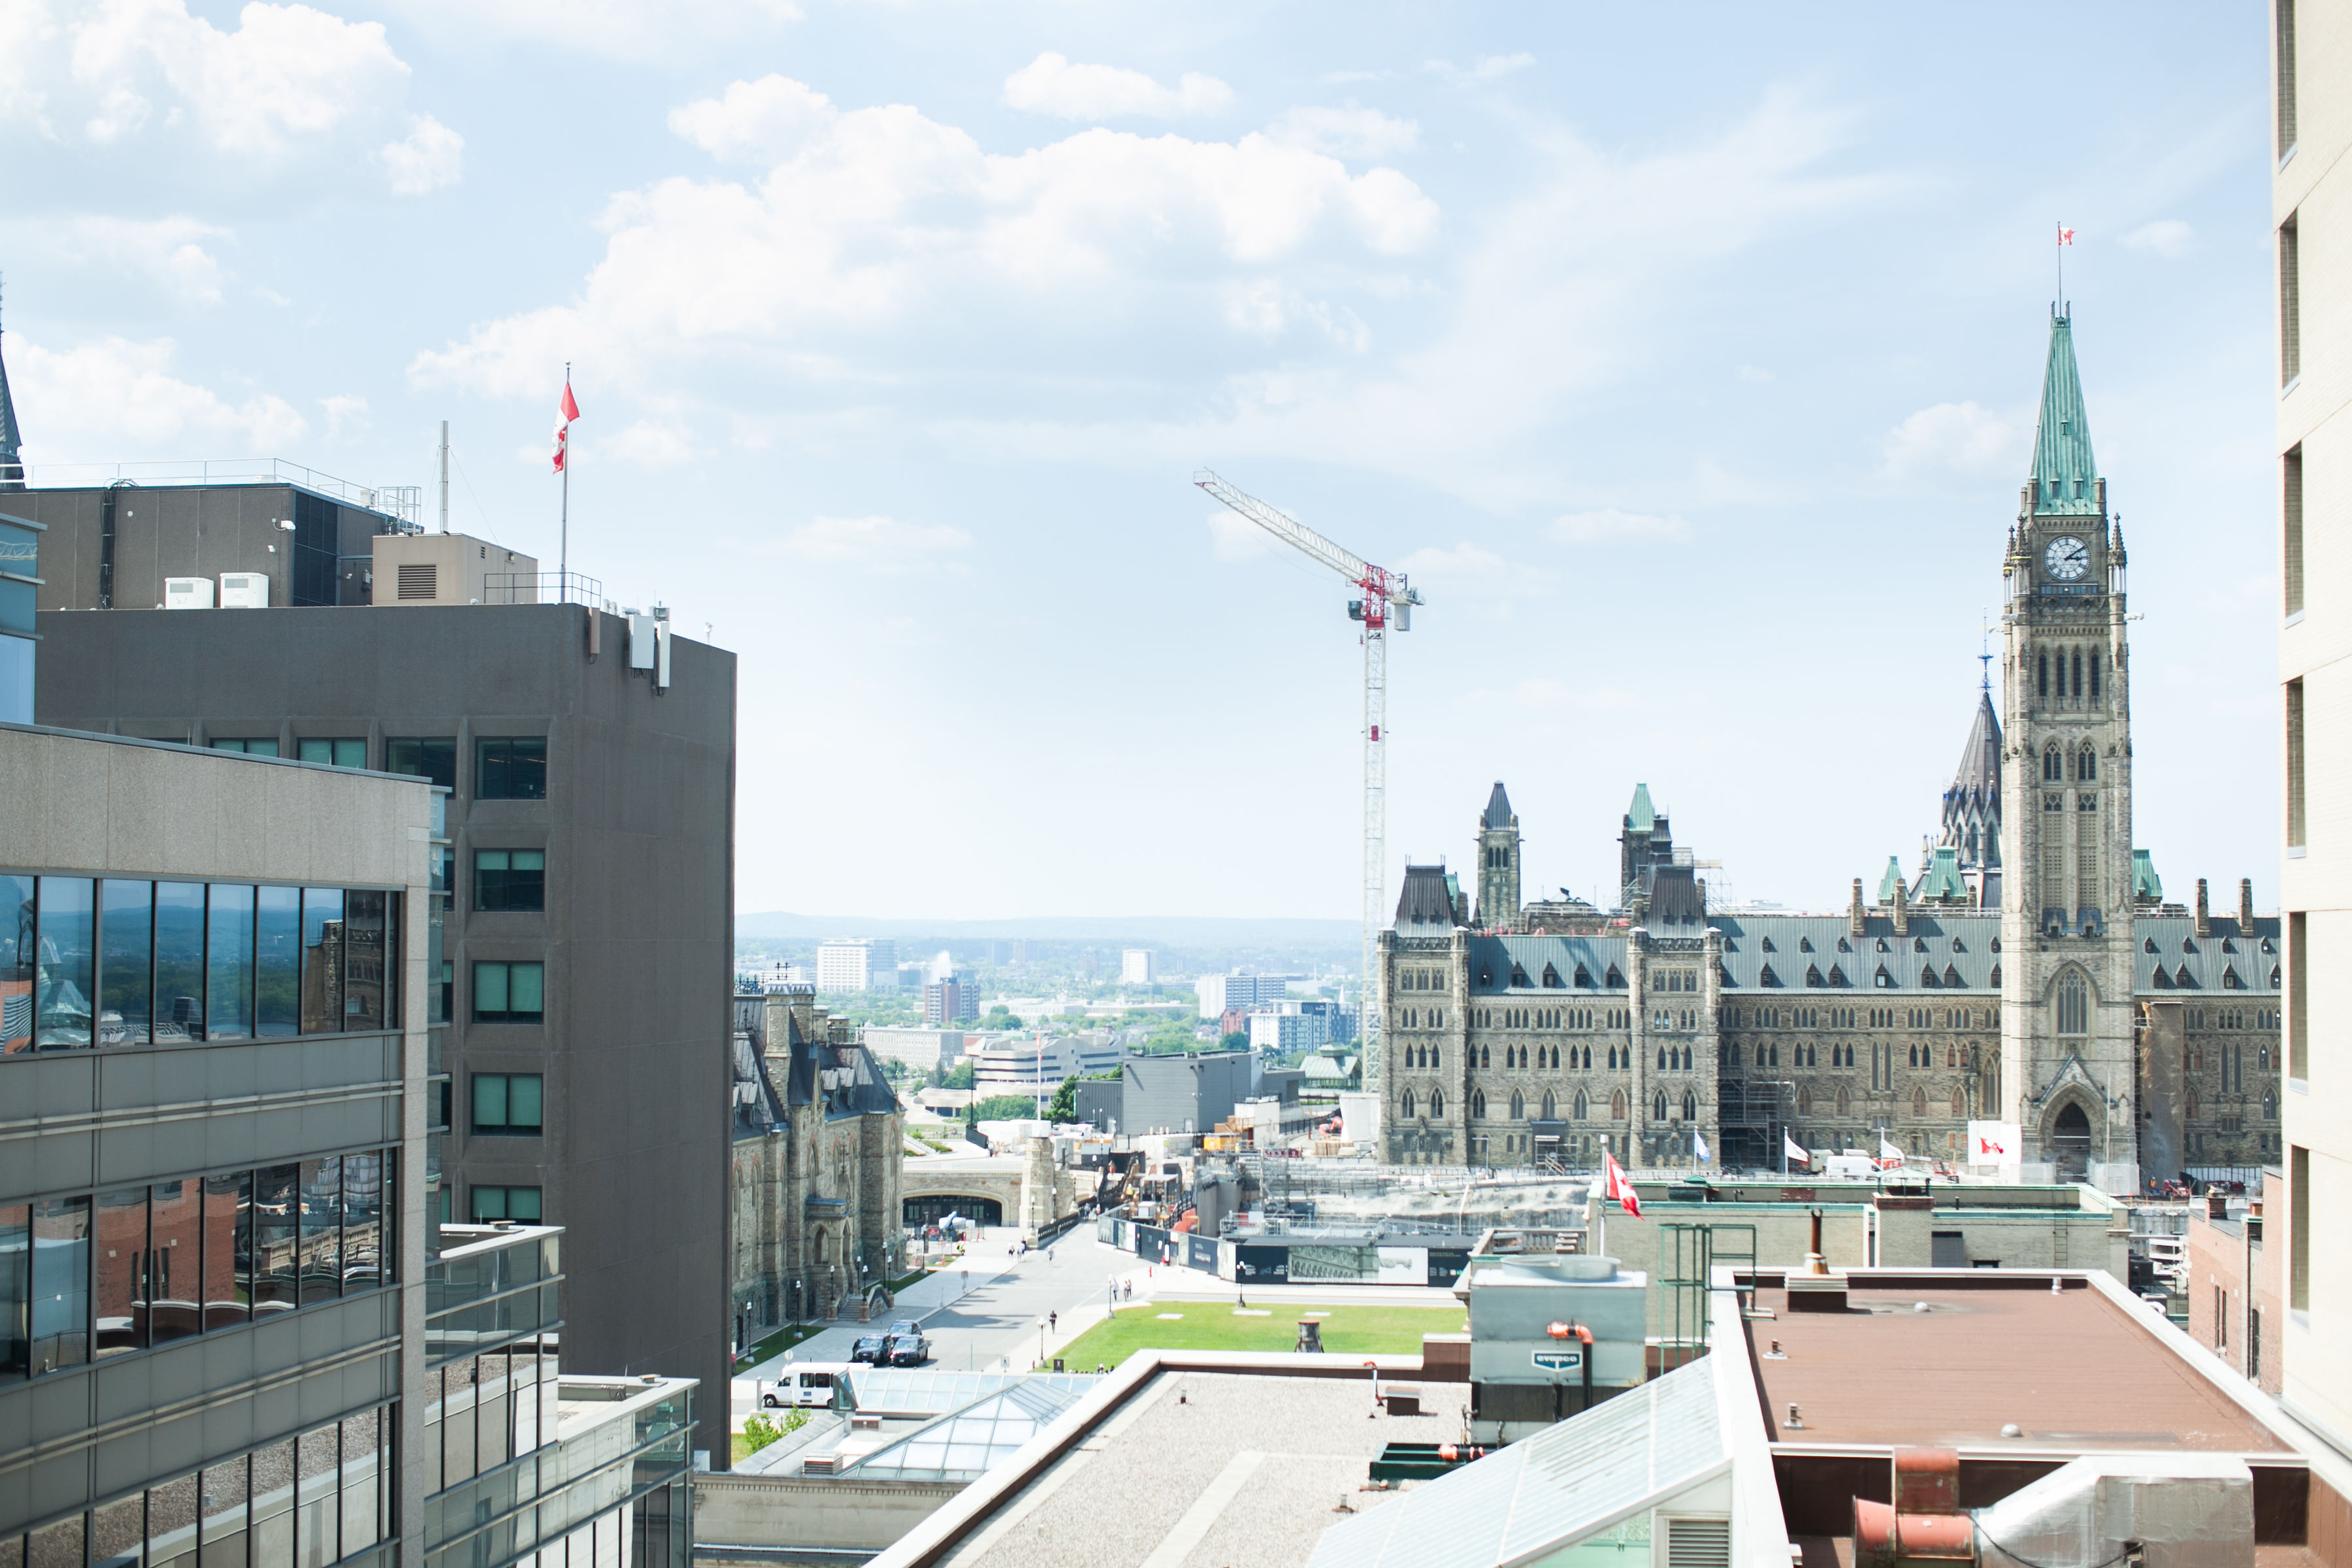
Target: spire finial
{"points": [[1984, 645]]}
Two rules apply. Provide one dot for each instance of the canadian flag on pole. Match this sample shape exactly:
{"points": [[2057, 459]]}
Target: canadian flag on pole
{"points": [[565, 413], [1619, 1185], [2065, 235]]}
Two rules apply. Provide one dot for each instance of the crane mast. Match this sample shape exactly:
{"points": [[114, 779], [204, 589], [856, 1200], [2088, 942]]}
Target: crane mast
{"points": [[1388, 600]]}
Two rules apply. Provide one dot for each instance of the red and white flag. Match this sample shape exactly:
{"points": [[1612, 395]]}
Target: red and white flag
{"points": [[2065, 235], [1619, 1185], [565, 413]]}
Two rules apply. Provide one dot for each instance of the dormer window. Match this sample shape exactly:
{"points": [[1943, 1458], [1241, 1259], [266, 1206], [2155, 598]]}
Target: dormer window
{"points": [[1919, 945], [1843, 947], [1804, 945], [1768, 947], [1995, 945], [2148, 945]]}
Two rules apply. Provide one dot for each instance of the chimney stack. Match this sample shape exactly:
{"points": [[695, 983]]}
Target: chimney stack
{"points": [[1902, 908], [2246, 906], [2204, 915], [1854, 915]]}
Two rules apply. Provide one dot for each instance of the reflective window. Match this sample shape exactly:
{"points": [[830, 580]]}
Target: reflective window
{"points": [[256, 747], [228, 963], [276, 1195], [16, 1288], [366, 939], [16, 946], [121, 1319], [179, 961], [277, 961], [350, 754], [60, 1311], [425, 758], [363, 1222], [508, 993], [65, 969], [125, 962], [508, 1103], [518, 1203], [321, 1248], [228, 1249], [511, 768], [508, 880], [322, 960], [172, 1284]]}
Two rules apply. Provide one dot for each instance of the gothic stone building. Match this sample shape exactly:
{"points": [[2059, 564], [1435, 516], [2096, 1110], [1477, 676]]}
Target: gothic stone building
{"points": [[2031, 972]]}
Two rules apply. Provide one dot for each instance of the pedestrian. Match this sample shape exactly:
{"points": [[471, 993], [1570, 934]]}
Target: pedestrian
{"points": [[1054, 1321]]}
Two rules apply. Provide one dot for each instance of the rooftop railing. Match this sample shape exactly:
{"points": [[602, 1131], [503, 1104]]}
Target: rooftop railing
{"points": [[405, 503], [546, 588]]}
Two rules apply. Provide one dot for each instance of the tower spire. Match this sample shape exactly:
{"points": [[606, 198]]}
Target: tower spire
{"points": [[12, 459], [2065, 478]]}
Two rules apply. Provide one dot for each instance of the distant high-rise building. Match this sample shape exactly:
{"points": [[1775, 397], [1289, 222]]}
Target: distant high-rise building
{"points": [[1137, 966], [860, 963], [2308, 67], [1000, 953], [1221, 992], [954, 1000]]}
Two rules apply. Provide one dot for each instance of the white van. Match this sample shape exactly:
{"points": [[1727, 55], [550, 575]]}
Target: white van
{"points": [[804, 1384]]}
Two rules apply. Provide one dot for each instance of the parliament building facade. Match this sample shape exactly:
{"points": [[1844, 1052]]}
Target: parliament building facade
{"points": [[2029, 971]]}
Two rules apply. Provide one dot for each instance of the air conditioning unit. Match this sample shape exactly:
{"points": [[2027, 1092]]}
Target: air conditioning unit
{"points": [[243, 591], [187, 593]]}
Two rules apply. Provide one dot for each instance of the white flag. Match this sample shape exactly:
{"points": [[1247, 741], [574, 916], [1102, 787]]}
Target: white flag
{"points": [[1795, 1150], [1698, 1146], [1888, 1154]]}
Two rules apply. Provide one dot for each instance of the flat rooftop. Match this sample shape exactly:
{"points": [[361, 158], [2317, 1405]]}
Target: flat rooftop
{"points": [[1235, 1469], [2076, 1372]]}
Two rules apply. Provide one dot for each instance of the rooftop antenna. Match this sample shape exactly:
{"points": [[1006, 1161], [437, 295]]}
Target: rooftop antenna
{"points": [[1984, 645], [445, 476]]}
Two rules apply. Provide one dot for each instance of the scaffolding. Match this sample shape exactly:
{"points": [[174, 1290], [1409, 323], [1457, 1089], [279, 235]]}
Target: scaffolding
{"points": [[1688, 1255]]}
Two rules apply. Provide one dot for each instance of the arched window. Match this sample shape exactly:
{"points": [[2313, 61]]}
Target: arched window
{"points": [[1959, 1103], [1617, 1106], [2095, 675], [1776, 1056], [2269, 1105], [1951, 1058], [1519, 1106], [1485, 1057], [2074, 1006], [1662, 1059], [2078, 673], [1843, 1102], [1760, 1055], [1432, 1063], [1437, 1102], [1658, 1107], [2042, 678], [1910, 1055], [2086, 765], [1690, 1106], [1408, 1104], [1478, 1104], [1919, 1103], [2052, 769], [1588, 1058], [1583, 1106], [1804, 1102]]}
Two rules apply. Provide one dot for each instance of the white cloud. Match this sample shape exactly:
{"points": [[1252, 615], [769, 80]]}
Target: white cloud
{"points": [[1485, 68], [2166, 236], [1268, 308], [1609, 526], [1471, 570], [627, 30], [430, 156], [765, 121], [288, 75], [1349, 132], [1754, 375], [876, 214], [1052, 84], [882, 545], [654, 443], [116, 398], [347, 417], [1952, 440], [165, 253], [1232, 537]]}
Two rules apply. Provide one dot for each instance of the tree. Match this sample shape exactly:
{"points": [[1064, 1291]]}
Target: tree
{"points": [[1236, 1041], [1004, 1108], [959, 1077], [1064, 1104]]}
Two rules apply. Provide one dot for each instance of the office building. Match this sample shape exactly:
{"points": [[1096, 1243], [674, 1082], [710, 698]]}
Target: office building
{"points": [[850, 966], [1238, 993], [2311, 205], [580, 919], [214, 1090], [951, 1001], [1039, 1063], [1290, 1028], [1137, 966]]}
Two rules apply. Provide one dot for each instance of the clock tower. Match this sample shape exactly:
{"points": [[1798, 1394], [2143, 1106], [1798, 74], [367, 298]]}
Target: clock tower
{"points": [[2067, 1063]]}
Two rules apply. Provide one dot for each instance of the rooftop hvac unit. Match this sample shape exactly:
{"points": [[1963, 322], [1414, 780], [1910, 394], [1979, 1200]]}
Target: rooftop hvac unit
{"points": [[243, 591], [187, 593]]}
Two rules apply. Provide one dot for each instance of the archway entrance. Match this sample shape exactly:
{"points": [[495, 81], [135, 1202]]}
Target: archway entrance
{"points": [[2069, 1144], [920, 1212]]}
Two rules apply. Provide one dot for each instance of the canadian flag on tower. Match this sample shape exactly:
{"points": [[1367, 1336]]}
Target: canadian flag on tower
{"points": [[1620, 1185], [565, 413], [2065, 235]]}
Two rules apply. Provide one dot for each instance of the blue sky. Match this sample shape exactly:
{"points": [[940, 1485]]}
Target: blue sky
{"points": [[1689, 369]]}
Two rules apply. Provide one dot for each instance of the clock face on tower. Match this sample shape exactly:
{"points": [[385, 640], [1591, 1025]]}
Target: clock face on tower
{"points": [[2067, 558]]}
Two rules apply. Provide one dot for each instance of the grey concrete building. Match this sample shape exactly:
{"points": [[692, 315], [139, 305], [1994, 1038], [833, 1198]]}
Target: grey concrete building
{"points": [[213, 1122], [581, 897]]}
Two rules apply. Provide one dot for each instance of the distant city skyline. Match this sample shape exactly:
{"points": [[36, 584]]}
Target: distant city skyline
{"points": [[1690, 376]]}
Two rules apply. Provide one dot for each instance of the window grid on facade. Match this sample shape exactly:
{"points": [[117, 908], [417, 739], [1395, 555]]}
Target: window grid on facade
{"points": [[2298, 996], [508, 1102], [2290, 285], [2291, 523], [2282, 12], [2299, 1226]]}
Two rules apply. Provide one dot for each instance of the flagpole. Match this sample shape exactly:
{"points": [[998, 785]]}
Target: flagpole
{"points": [[563, 537]]}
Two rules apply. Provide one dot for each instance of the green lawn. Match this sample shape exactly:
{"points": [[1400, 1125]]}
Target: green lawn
{"points": [[777, 1343], [1211, 1326]]}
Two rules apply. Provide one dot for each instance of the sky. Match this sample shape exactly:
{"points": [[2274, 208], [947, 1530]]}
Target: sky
{"points": [[1689, 370]]}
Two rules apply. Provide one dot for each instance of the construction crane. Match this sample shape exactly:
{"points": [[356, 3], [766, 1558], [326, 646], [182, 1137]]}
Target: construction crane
{"points": [[1388, 599]]}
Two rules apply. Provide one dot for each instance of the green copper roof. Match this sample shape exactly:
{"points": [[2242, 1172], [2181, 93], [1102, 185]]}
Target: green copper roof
{"points": [[1943, 883], [2145, 884], [1641, 816], [1892, 881], [11, 471], [2065, 476]]}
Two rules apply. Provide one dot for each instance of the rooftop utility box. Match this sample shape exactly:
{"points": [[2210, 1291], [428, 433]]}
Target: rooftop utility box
{"points": [[243, 591], [452, 569], [187, 593], [1549, 1334]]}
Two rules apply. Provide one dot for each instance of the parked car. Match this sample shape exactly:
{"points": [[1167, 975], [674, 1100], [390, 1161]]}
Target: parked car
{"points": [[803, 1384], [907, 1350], [903, 1326], [870, 1350]]}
